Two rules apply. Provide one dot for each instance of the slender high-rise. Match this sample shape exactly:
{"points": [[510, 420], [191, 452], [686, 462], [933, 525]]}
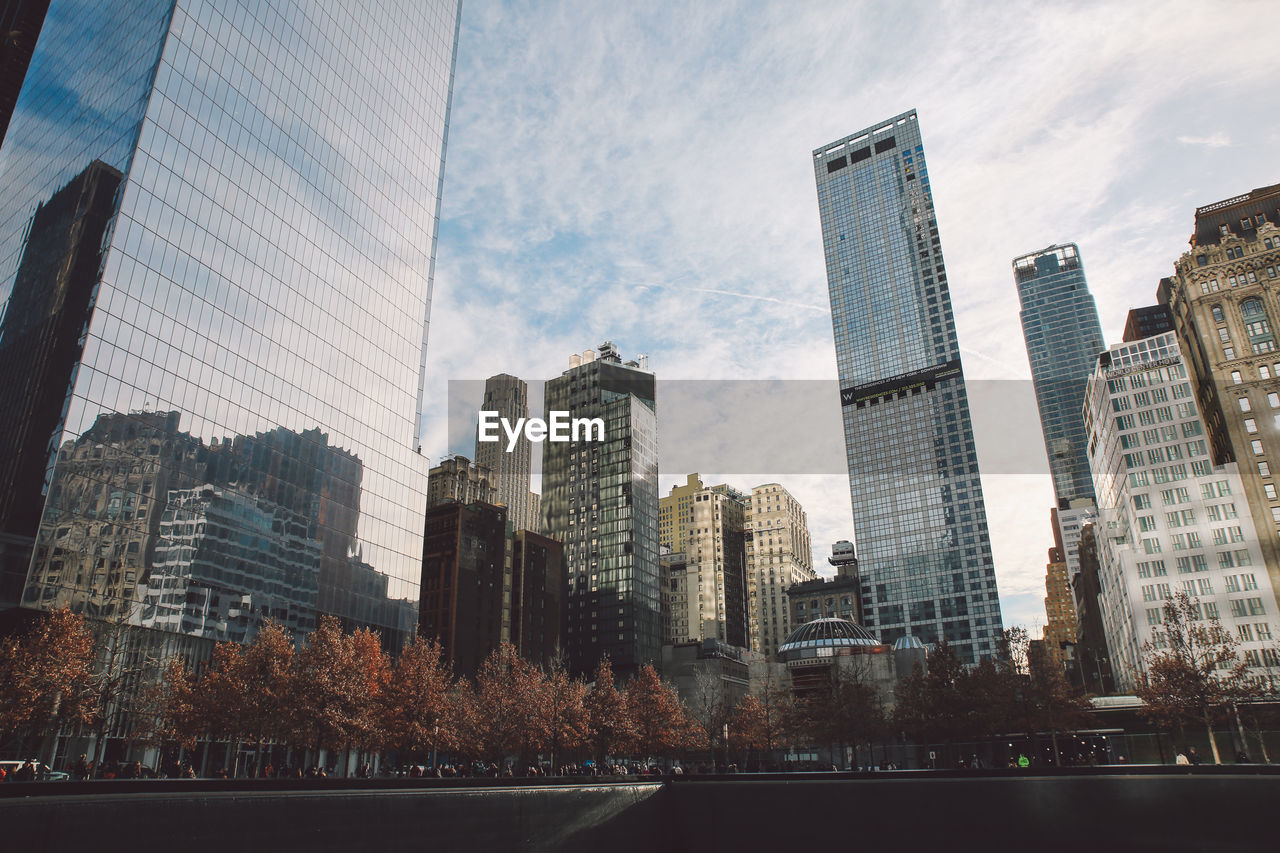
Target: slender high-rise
{"points": [[600, 499], [217, 239], [509, 469], [919, 520], [1063, 336]]}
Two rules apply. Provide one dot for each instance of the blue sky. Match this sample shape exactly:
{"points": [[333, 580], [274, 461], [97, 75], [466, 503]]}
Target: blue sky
{"points": [[641, 172]]}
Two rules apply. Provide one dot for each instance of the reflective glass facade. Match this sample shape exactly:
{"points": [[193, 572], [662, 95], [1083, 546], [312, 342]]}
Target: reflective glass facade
{"points": [[227, 415], [600, 499], [921, 527], [1063, 336]]}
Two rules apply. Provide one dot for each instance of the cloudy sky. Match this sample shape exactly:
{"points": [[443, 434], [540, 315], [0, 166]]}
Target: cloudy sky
{"points": [[641, 172]]}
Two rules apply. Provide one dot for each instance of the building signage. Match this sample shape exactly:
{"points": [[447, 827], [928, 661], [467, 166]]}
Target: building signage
{"points": [[1146, 365], [903, 384]]}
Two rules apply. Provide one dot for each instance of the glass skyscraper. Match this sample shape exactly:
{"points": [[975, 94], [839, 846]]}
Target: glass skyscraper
{"points": [[600, 499], [1063, 335], [920, 524], [217, 237]]}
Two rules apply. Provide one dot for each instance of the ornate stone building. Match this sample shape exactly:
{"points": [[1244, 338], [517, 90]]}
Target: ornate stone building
{"points": [[1225, 301]]}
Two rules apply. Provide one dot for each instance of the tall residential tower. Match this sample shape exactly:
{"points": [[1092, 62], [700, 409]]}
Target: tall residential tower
{"points": [[600, 499], [1063, 336], [919, 520]]}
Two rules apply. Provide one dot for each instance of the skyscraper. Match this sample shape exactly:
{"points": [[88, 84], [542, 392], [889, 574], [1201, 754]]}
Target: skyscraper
{"points": [[1063, 336], [600, 499], [246, 363], [919, 520], [509, 397]]}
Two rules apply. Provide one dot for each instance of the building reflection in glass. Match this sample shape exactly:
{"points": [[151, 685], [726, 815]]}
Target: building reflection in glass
{"points": [[146, 524], [246, 353]]}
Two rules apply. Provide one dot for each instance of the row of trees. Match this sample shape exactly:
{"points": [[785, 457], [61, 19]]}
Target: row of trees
{"points": [[342, 692]]}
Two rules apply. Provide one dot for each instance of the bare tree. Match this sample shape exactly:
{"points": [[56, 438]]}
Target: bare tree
{"points": [[1193, 671]]}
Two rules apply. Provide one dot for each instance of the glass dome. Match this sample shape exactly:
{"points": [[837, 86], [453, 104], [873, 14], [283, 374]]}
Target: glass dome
{"points": [[821, 638]]}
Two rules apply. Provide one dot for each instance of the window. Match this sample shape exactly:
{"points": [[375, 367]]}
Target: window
{"points": [[1152, 546], [1153, 616], [1250, 426], [1256, 447], [1264, 469], [1273, 400], [1218, 317], [1256, 608], [1245, 406], [1264, 371], [1236, 378], [1141, 502], [1270, 490]]}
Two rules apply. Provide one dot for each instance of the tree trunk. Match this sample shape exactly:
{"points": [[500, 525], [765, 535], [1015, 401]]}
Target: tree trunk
{"points": [[1213, 743]]}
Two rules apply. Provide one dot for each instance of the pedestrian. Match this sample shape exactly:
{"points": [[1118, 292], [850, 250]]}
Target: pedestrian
{"points": [[1193, 756], [1182, 760], [1242, 757], [1023, 761]]}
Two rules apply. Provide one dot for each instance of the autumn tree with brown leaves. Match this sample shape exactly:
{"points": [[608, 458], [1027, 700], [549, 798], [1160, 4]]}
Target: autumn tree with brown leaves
{"points": [[563, 724], [610, 728], [339, 679], [1195, 675], [505, 710], [765, 720], [417, 709], [47, 677], [663, 725]]}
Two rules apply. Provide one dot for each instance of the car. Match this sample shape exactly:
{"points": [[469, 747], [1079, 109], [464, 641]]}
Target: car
{"points": [[43, 773]]}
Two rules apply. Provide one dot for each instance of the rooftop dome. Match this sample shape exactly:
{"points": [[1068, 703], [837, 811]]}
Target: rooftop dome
{"points": [[821, 638], [908, 641]]}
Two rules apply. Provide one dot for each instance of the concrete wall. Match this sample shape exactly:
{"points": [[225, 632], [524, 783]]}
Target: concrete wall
{"points": [[1210, 808]]}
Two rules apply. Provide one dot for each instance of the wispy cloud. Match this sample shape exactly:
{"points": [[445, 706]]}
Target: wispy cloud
{"points": [[642, 172], [1216, 140]]}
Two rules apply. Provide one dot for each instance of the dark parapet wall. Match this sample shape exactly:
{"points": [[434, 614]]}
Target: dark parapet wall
{"points": [[572, 817], [1117, 809]]}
